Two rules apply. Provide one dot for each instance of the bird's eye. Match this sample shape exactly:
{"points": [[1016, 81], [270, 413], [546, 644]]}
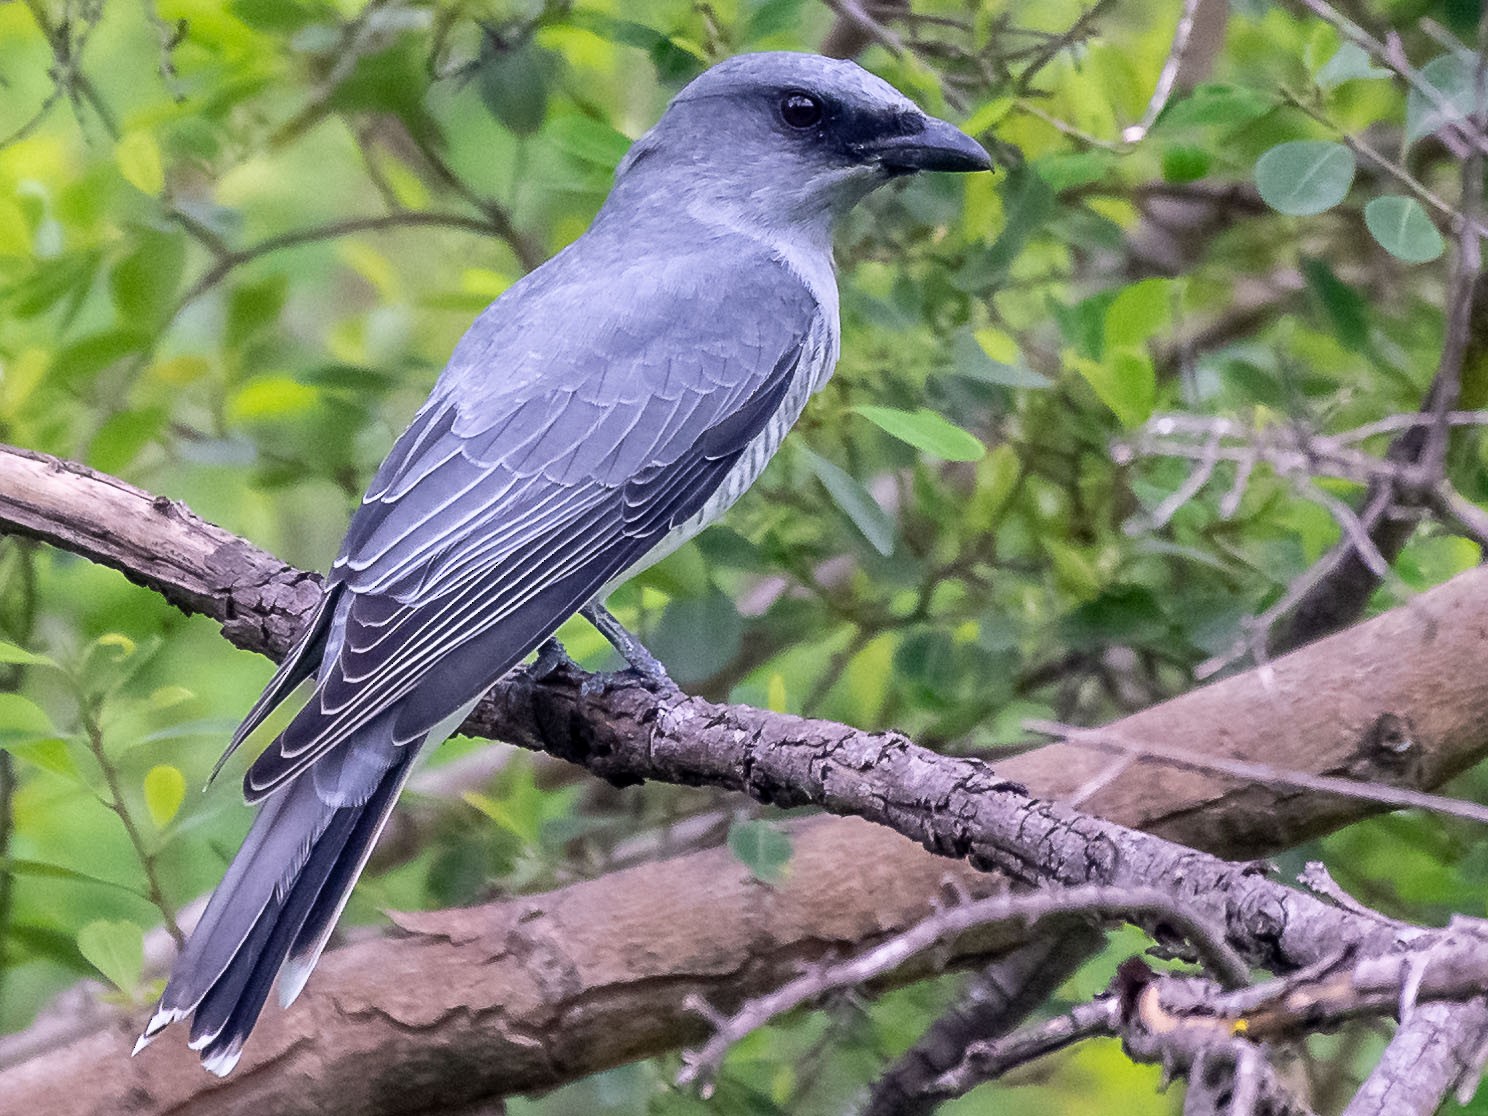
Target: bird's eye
{"points": [[800, 110]]}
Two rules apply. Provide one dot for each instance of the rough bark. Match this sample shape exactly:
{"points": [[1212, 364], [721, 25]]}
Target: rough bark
{"points": [[1397, 698]]}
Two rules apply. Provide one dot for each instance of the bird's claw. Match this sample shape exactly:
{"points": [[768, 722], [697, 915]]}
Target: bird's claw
{"points": [[654, 678], [552, 660]]}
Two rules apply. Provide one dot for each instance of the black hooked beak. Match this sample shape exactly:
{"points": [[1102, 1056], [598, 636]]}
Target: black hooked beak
{"points": [[935, 146]]}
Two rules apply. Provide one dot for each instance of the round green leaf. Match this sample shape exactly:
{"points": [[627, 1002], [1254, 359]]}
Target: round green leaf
{"points": [[1403, 229], [116, 949], [927, 431], [1305, 177], [165, 790]]}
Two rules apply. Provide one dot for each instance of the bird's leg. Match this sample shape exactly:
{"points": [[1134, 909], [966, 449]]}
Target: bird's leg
{"points": [[641, 661]]}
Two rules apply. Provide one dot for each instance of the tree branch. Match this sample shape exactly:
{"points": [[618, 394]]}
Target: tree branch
{"points": [[1399, 698]]}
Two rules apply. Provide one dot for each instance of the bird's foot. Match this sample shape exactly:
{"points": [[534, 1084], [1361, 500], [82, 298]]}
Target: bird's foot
{"points": [[644, 667], [597, 682]]}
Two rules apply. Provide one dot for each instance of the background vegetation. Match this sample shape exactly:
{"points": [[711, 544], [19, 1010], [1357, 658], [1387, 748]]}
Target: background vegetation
{"points": [[238, 240]]}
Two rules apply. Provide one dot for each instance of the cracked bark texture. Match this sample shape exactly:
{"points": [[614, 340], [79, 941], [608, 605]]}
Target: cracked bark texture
{"points": [[1397, 698]]}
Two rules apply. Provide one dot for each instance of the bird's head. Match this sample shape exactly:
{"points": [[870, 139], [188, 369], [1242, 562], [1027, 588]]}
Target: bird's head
{"points": [[788, 137]]}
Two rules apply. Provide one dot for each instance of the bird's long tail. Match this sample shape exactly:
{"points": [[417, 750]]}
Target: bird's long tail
{"points": [[282, 894]]}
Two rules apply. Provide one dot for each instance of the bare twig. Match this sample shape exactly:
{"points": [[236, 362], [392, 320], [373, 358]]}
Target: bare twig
{"points": [[851, 11], [331, 230], [1317, 879], [995, 1002], [1168, 77], [989, 1059], [1399, 798], [1134, 904]]}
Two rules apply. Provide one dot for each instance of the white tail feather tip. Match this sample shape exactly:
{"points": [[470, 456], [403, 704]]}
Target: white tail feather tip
{"points": [[223, 1061], [292, 980], [162, 1019]]}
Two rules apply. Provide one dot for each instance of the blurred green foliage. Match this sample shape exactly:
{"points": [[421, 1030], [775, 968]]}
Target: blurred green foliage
{"points": [[239, 239]]}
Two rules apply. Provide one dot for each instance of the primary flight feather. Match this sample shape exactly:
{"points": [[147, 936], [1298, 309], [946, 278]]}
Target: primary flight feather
{"points": [[603, 410]]}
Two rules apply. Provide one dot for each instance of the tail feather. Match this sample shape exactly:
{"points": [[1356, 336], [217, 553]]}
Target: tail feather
{"points": [[228, 1012], [280, 898]]}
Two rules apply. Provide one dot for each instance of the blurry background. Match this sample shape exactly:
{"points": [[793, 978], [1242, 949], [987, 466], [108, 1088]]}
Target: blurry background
{"points": [[238, 241]]}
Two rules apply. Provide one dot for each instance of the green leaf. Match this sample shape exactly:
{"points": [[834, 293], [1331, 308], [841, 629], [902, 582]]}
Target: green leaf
{"points": [[1126, 382], [970, 358], [41, 870], [1121, 614], [1346, 309], [1185, 163], [1454, 77], [165, 790], [50, 753], [1027, 202], [1349, 62], [252, 307], [1305, 177], [1138, 311], [698, 636], [996, 479], [761, 847], [144, 282], [66, 277], [513, 83], [271, 399], [10, 653], [589, 140], [1218, 103], [116, 948], [21, 715], [926, 431], [92, 353], [1066, 172], [138, 156], [1403, 229], [166, 697], [120, 439], [876, 525], [1073, 570]]}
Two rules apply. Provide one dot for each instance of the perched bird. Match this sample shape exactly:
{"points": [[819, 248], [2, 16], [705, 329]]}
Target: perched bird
{"points": [[602, 411]]}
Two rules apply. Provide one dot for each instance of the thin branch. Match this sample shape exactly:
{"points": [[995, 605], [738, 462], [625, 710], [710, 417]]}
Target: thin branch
{"points": [[1168, 77], [1396, 798], [1456, 220], [851, 11], [331, 230], [992, 1005], [1398, 64], [992, 1058], [116, 802], [1029, 910]]}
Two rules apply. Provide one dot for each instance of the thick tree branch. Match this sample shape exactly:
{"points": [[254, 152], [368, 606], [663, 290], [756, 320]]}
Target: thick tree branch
{"points": [[1397, 699]]}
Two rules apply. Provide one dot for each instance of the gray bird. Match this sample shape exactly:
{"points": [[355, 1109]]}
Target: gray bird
{"points": [[597, 415]]}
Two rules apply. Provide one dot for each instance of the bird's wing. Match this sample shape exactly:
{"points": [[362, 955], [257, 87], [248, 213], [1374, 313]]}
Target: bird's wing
{"points": [[574, 428]]}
